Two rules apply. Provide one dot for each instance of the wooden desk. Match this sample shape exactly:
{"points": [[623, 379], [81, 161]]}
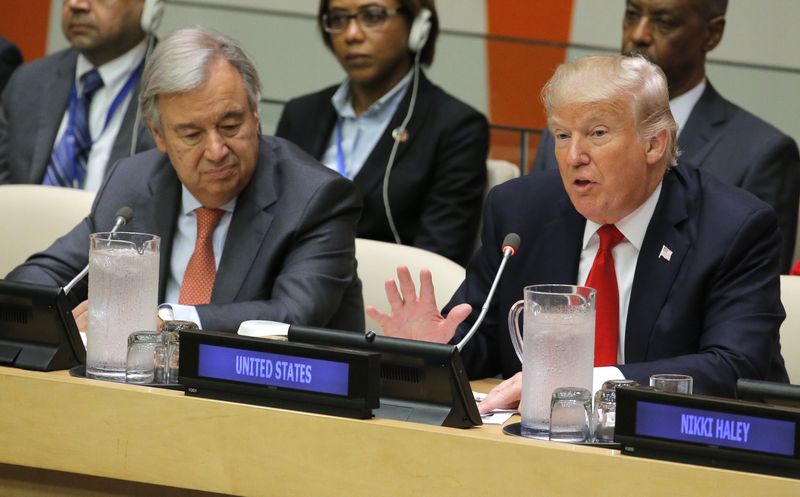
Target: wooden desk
{"points": [[55, 428]]}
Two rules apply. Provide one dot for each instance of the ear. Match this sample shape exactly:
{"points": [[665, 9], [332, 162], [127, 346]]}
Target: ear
{"points": [[656, 147], [161, 144], [716, 26]]}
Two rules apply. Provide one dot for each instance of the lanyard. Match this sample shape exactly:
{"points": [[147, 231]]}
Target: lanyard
{"points": [[126, 89]]}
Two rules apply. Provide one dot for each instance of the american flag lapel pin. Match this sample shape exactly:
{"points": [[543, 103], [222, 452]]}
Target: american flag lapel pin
{"points": [[665, 254]]}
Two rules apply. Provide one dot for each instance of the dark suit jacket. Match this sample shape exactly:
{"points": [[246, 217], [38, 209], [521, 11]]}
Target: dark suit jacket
{"points": [[439, 176], [31, 109], [738, 148], [290, 251], [10, 58], [712, 311]]}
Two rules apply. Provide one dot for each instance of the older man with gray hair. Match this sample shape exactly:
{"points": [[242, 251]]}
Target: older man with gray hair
{"points": [[686, 268], [251, 226]]}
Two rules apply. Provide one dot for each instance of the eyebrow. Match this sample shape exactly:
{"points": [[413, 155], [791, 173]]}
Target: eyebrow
{"points": [[233, 114]]}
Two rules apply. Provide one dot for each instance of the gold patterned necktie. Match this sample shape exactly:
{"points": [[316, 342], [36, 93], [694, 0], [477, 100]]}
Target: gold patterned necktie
{"points": [[198, 280]]}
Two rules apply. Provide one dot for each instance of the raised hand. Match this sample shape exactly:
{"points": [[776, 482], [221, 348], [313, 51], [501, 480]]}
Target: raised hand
{"points": [[417, 317]]}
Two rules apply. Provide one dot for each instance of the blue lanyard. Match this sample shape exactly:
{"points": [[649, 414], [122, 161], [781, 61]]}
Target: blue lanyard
{"points": [[126, 89], [340, 162]]}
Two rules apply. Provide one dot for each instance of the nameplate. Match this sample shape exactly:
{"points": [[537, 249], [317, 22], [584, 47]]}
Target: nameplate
{"points": [[709, 430], [328, 380]]}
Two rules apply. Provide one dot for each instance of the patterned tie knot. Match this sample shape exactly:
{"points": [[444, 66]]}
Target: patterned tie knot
{"points": [[610, 236], [90, 83], [207, 220]]}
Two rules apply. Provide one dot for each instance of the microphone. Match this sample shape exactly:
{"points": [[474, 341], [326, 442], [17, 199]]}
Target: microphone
{"points": [[510, 247], [123, 217]]}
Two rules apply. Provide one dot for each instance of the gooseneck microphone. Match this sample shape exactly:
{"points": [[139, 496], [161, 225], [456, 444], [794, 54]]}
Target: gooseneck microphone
{"points": [[510, 247], [123, 217]]}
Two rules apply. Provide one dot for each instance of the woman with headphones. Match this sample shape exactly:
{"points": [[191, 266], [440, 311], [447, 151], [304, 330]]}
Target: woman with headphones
{"points": [[416, 153]]}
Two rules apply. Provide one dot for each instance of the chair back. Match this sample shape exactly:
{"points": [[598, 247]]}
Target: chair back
{"points": [[33, 216], [378, 261], [790, 329]]}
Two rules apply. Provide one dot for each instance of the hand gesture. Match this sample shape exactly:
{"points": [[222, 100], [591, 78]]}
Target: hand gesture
{"points": [[413, 317]]}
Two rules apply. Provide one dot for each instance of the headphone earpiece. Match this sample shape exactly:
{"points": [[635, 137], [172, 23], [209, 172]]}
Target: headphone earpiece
{"points": [[151, 15], [420, 29]]}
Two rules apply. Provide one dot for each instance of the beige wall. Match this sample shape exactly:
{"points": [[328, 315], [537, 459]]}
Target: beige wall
{"points": [[292, 60]]}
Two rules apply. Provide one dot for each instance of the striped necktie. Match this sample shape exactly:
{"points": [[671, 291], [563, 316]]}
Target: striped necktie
{"points": [[68, 162]]}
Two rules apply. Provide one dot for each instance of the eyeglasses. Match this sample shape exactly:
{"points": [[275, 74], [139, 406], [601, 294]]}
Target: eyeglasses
{"points": [[369, 18]]}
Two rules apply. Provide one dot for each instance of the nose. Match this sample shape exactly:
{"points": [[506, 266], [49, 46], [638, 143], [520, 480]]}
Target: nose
{"points": [[77, 4], [576, 154], [642, 34], [216, 149], [353, 31]]}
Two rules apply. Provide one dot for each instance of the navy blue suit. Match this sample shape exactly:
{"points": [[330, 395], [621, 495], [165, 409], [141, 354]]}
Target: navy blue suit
{"points": [[738, 148], [712, 311]]}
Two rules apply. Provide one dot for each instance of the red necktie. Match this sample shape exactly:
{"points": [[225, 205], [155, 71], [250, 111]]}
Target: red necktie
{"points": [[198, 280], [603, 278]]}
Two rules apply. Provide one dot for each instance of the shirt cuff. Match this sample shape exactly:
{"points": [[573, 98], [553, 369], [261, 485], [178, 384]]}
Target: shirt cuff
{"points": [[603, 374]]}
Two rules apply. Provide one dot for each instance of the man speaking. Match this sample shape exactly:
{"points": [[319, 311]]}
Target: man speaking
{"points": [[694, 273], [251, 226]]}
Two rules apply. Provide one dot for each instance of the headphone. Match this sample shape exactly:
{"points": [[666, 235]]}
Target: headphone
{"points": [[420, 29], [151, 15]]}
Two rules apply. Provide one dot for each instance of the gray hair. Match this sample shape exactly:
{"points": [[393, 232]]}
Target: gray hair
{"points": [[182, 61], [617, 79]]}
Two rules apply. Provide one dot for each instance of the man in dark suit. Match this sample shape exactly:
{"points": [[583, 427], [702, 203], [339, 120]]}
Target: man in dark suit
{"points": [[695, 273], [282, 243], [34, 108], [10, 58], [714, 134], [438, 173]]}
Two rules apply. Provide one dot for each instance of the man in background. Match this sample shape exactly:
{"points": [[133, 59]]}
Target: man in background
{"points": [[713, 133], [251, 227], [66, 118]]}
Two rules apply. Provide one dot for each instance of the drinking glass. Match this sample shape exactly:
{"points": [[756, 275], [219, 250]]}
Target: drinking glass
{"points": [[141, 363], [674, 383], [570, 415]]}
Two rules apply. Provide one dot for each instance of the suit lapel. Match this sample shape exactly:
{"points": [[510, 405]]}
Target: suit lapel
{"points": [[703, 128], [249, 226], [371, 174], [321, 127], [53, 106], [556, 254], [122, 143], [655, 274], [160, 210]]}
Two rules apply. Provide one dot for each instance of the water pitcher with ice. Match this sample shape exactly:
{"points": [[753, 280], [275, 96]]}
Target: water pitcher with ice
{"points": [[557, 349], [123, 297]]}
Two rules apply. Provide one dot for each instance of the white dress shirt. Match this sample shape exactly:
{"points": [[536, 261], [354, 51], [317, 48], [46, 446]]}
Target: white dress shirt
{"points": [[682, 105], [183, 248], [626, 255], [114, 74], [360, 134]]}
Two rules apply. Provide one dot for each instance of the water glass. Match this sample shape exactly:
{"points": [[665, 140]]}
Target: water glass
{"points": [[605, 409], [141, 363], [570, 415], [673, 383]]}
